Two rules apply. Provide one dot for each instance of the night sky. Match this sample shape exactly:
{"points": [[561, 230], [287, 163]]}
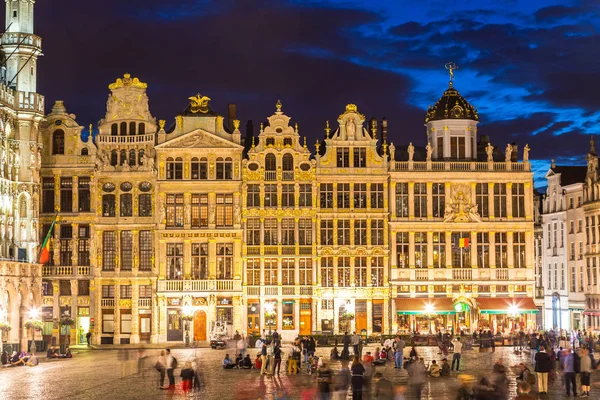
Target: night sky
{"points": [[529, 66]]}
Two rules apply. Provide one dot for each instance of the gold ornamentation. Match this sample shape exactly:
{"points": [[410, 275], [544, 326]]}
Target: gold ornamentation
{"points": [[179, 120], [278, 105], [199, 103], [161, 124], [450, 66], [127, 81], [236, 124], [351, 108], [460, 208], [124, 302]]}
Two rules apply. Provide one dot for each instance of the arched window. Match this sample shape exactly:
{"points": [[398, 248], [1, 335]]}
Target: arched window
{"points": [[114, 158], [174, 168], [123, 128], [84, 151], [270, 162], [132, 129], [142, 128], [58, 142], [131, 157], [287, 162], [114, 129], [199, 168], [141, 156], [123, 157]]}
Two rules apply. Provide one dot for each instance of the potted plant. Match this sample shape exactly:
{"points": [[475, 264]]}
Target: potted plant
{"points": [[5, 326], [34, 324]]}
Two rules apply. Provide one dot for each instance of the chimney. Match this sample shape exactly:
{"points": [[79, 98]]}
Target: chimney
{"points": [[249, 135], [231, 115], [384, 130]]}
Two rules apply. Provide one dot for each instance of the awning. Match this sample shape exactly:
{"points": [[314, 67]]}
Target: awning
{"points": [[506, 305], [424, 305], [591, 313]]}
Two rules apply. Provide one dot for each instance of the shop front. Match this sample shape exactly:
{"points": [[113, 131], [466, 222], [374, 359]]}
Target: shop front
{"points": [[506, 314], [424, 315]]}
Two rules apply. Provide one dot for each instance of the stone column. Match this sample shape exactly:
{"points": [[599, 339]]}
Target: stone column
{"points": [[135, 318], [509, 211], [238, 268], [411, 200], [187, 259], [392, 196], [491, 200], [75, 189], [212, 261]]}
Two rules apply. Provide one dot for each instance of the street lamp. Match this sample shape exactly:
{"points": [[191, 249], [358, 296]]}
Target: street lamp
{"points": [[187, 317], [34, 313], [269, 313]]}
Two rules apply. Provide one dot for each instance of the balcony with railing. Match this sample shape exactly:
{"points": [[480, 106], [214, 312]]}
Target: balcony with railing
{"points": [[421, 274], [462, 166], [270, 175], [126, 139], [145, 303], [200, 285], [459, 274], [21, 39], [66, 270], [502, 274], [107, 302]]}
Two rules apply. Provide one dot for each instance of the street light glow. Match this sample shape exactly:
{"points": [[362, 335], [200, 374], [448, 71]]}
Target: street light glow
{"points": [[269, 308], [513, 309], [187, 310], [429, 308], [34, 313]]}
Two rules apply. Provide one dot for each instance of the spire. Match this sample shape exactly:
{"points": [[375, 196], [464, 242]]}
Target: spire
{"points": [[278, 107]]}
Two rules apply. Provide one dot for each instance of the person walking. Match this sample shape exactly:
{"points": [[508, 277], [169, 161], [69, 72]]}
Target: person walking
{"points": [[187, 376], [345, 350], [356, 344], [277, 359], [88, 338], [324, 381], [457, 353], [568, 362], [170, 366], [123, 357], [585, 371], [543, 366], [417, 374], [342, 382], [263, 359], [399, 354], [358, 372], [533, 346], [270, 360], [160, 367]]}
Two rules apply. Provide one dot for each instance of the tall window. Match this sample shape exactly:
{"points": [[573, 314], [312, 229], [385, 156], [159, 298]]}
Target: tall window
{"points": [[108, 291], [287, 165], [304, 232], [145, 205], [305, 199], [377, 195], [343, 195], [360, 157], [421, 249], [270, 195], [360, 195], [126, 251], [126, 207], [377, 271], [420, 200], [519, 249], [109, 250], [518, 200], [224, 261], [175, 168], [174, 260], [288, 272], [287, 232], [224, 210], [344, 271], [481, 198], [199, 168], [108, 205], [461, 250], [174, 210], [271, 273], [253, 272], [58, 142], [439, 250], [305, 266], [270, 162], [199, 211], [253, 232], [402, 246], [500, 200], [145, 242], [401, 199], [360, 232], [145, 291], [287, 195], [224, 168], [270, 231], [343, 157], [253, 195], [501, 250], [83, 245], [200, 261], [48, 195], [327, 271], [439, 199], [327, 232], [483, 250], [66, 195], [360, 271], [343, 232], [457, 147], [83, 193], [377, 232], [66, 234], [325, 192]]}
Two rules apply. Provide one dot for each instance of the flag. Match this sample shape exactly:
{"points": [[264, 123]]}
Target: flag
{"points": [[463, 242], [45, 252]]}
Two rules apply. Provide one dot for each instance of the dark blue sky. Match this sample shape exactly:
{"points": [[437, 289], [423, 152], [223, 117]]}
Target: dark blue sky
{"points": [[529, 66]]}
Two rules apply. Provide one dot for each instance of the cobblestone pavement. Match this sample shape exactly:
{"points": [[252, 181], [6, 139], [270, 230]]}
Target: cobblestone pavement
{"points": [[96, 374]]}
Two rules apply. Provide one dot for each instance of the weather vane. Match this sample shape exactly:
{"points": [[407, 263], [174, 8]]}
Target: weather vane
{"points": [[450, 66]]}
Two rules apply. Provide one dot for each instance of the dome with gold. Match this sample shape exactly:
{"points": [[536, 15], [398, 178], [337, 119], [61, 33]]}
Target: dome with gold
{"points": [[451, 106]]}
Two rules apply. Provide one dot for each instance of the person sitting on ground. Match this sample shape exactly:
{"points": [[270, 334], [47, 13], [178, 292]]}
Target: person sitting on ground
{"points": [[377, 353], [247, 362], [257, 362], [21, 359], [523, 373], [413, 353], [445, 369], [14, 358], [238, 360], [68, 353], [434, 369], [334, 354], [33, 361], [368, 358], [227, 364], [382, 355], [51, 353], [523, 389]]}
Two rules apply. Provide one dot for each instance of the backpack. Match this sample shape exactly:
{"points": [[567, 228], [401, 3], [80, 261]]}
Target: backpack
{"points": [[530, 378], [576, 363], [174, 364]]}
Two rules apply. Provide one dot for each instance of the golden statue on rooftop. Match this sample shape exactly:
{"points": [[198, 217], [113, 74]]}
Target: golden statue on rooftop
{"points": [[199, 103], [450, 66]]}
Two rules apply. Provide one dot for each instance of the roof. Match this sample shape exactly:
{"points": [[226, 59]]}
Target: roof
{"points": [[451, 106], [406, 305], [570, 174], [506, 305]]}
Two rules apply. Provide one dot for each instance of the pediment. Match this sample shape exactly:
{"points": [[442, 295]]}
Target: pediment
{"points": [[198, 139]]}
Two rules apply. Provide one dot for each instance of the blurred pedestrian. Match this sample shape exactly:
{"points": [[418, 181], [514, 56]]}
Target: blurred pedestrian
{"points": [[384, 389], [568, 363], [342, 382], [88, 338], [324, 381], [187, 376], [417, 374], [585, 371], [523, 389], [358, 372], [160, 367], [399, 353], [170, 365], [277, 359], [141, 362], [123, 357]]}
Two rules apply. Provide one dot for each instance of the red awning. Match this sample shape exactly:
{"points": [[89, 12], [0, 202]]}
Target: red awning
{"points": [[422, 305], [505, 305], [591, 313]]}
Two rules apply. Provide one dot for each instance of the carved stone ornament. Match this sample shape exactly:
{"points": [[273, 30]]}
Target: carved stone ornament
{"points": [[460, 208]]}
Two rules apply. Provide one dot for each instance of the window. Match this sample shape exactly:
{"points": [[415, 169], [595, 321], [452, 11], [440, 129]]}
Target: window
{"points": [[287, 232], [287, 163], [519, 249], [518, 200], [402, 246], [360, 271], [500, 200], [461, 250], [457, 147], [253, 195], [327, 271], [83, 193], [270, 141], [305, 199], [270, 231], [376, 195], [114, 158], [174, 210], [224, 261], [501, 250], [66, 195], [145, 291], [271, 273], [108, 291], [270, 162], [145, 242], [253, 272], [199, 168], [224, 168], [304, 232], [270, 195], [108, 205], [108, 321], [199, 210], [126, 207], [126, 319], [83, 288], [327, 304], [224, 210], [145, 205], [48, 195], [580, 251], [439, 250], [83, 245], [174, 260], [287, 311], [421, 249], [287, 142], [126, 250], [344, 271], [66, 234], [58, 142], [343, 195], [377, 271], [125, 291], [132, 128], [439, 199], [199, 260], [305, 267], [343, 232], [571, 227], [64, 288], [360, 195], [360, 232], [109, 248], [481, 198], [420, 200], [287, 195], [377, 232], [325, 192], [174, 168], [343, 157], [287, 272], [483, 250], [571, 202], [85, 151], [327, 232], [401, 199], [132, 154], [253, 232], [360, 157], [573, 280]]}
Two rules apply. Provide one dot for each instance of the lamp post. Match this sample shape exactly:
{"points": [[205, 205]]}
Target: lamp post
{"points": [[187, 317], [269, 313], [33, 316]]}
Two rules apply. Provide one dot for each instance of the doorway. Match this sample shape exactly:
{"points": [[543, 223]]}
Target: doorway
{"points": [[145, 326], [199, 326], [83, 327]]}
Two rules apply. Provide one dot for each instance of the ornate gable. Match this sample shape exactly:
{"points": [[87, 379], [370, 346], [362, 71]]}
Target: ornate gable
{"points": [[198, 139]]}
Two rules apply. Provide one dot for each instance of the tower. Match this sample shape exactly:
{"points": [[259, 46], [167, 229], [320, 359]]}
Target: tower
{"points": [[21, 46]]}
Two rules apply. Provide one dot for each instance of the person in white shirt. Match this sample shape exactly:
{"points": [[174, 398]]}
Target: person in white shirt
{"points": [[169, 367], [457, 352]]}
